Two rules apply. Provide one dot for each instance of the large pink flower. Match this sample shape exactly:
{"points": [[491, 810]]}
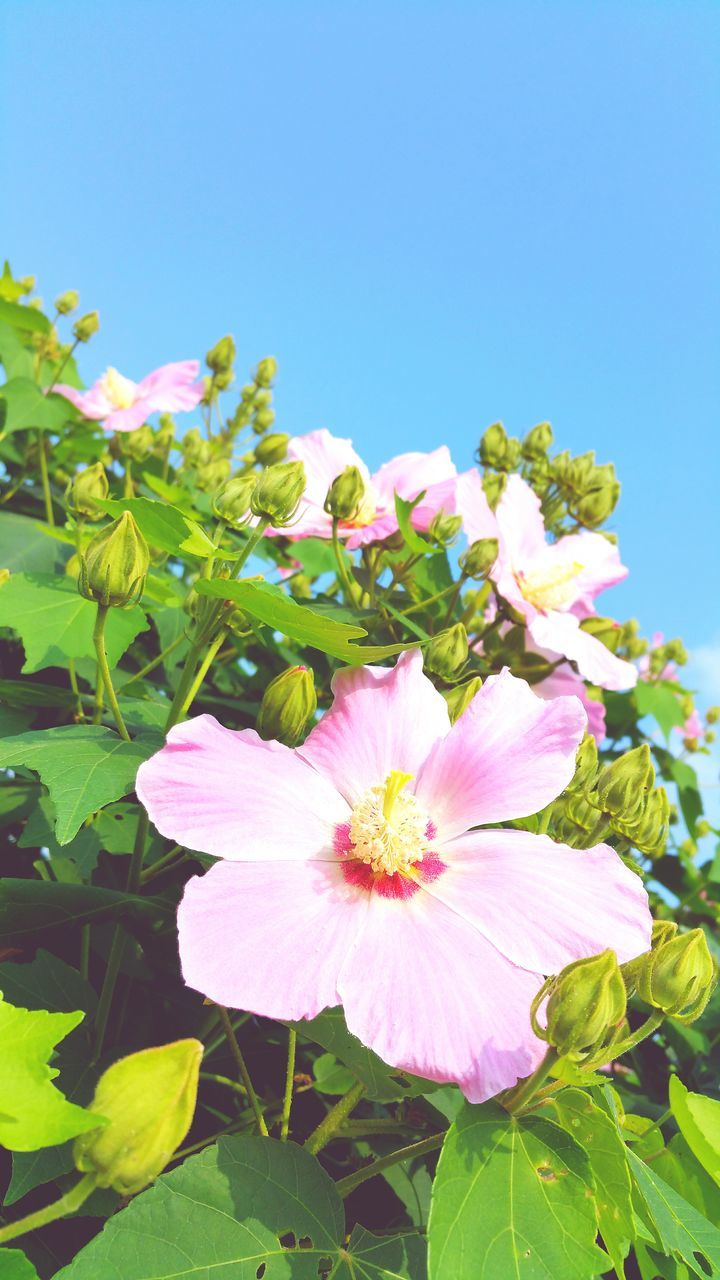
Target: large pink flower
{"points": [[325, 456], [553, 585], [350, 873], [122, 405]]}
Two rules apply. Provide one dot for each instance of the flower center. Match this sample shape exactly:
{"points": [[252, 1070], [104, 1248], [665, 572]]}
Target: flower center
{"points": [[388, 827], [550, 588], [120, 391], [366, 512]]}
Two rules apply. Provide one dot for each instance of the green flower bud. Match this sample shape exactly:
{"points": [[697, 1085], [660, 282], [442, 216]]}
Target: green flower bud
{"points": [[222, 380], [605, 630], [221, 357], [67, 302], [84, 490], [287, 705], [196, 451], [649, 832], [586, 765], [479, 558], [248, 392], [148, 1101], [212, 474], [594, 508], [86, 326], [623, 786], [460, 696], [712, 715], [238, 621], [28, 283], [277, 494], [165, 433], [345, 495], [272, 448], [114, 565], [444, 529], [263, 420], [266, 371], [662, 932], [679, 976], [138, 444], [493, 446], [676, 652], [232, 503], [447, 652], [537, 441], [577, 474], [493, 486], [586, 1007]]}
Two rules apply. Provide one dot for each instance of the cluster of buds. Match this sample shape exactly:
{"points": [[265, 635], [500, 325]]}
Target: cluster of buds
{"points": [[220, 360], [497, 450], [590, 491], [114, 565], [287, 707], [255, 407], [677, 976], [586, 1006], [620, 798]]}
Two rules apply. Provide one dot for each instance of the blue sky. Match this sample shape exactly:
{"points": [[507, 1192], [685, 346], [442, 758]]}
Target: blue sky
{"points": [[435, 215]]}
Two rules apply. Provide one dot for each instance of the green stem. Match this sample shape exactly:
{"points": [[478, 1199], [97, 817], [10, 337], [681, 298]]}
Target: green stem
{"points": [[128, 486], [215, 1041], [69, 1203], [117, 946], [45, 480], [289, 1079], [99, 642], [522, 1093], [422, 604], [454, 598], [423, 1148], [202, 671], [99, 697], [79, 713], [242, 1068], [328, 1127], [85, 951], [162, 864], [227, 1083], [648, 1027], [61, 366], [342, 568]]}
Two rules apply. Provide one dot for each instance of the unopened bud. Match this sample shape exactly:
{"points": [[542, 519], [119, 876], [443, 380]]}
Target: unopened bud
{"points": [[594, 508], [586, 1007], [277, 494], [649, 832], [447, 652], [238, 621], [148, 1101], [493, 487], [85, 489], [272, 448], [263, 420], [266, 371], [537, 441], [67, 302], [287, 706], [586, 765], [460, 696], [498, 450], [232, 503], [196, 451], [679, 976], [165, 433], [712, 715], [606, 630], [345, 495], [444, 529], [479, 558], [221, 357], [86, 326], [114, 564], [138, 444], [222, 380], [212, 474], [623, 785]]}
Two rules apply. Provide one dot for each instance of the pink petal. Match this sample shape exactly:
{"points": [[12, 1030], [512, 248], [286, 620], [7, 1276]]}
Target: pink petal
{"points": [[231, 794], [426, 991], [382, 718], [92, 403], [268, 937], [438, 497], [382, 527], [479, 521], [410, 473], [128, 419], [543, 904], [507, 756], [324, 456], [173, 387], [565, 681], [561, 633], [600, 563], [519, 517], [78, 398]]}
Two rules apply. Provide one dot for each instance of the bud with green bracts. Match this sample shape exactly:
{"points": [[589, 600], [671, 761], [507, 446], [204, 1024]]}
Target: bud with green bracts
{"points": [[447, 652], [678, 976], [493, 486], [165, 433], [148, 1101], [537, 442], [212, 474], [623, 786], [479, 558], [594, 508], [67, 302], [345, 495], [221, 357], [232, 503], [586, 765], [585, 1009], [610, 633], [196, 451], [263, 420], [278, 492], [460, 696], [288, 704], [662, 931], [444, 529], [138, 444], [85, 489], [272, 448], [497, 449], [115, 564], [86, 326], [266, 371], [649, 832]]}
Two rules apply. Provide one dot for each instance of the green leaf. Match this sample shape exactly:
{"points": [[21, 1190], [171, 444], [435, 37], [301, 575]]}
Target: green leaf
{"points": [[698, 1120], [25, 546], [55, 623], [17, 361], [683, 1172], [31, 908], [598, 1135], [29, 319], [28, 693], [74, 862], [25, 406], [83, 766], [331, 1076], [15, 1266], [46, 982], [383, 1083], [163, 525], [223, 1214], [270, 604], [513, 1198], [658, 699], [316, 556], [413, 541], [689, 796], [34, 1113], [682, 1232]]}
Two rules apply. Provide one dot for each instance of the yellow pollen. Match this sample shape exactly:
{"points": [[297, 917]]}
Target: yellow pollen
{"points": [[120, 391], [551, 588], [366, 512], [388, 827]]}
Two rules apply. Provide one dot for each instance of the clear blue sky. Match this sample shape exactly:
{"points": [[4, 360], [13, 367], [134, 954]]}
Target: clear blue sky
{"points": [[434, 214]]}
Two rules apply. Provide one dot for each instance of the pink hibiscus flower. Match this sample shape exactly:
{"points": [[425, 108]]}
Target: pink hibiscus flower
{"points": [[553, 585], [325, 456], [693, 726], [350, 874], [122, 405]]}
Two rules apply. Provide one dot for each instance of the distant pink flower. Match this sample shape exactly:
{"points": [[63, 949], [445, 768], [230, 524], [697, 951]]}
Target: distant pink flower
{"points": [[565, 681], [325, 456], [350, 874], [122, 405], [669, 671], [554, 584], [693, 726]]}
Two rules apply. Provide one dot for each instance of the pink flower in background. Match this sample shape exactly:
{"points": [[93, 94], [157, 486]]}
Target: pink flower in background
{"points": [[553, 585], [669, 671], [325, 456], [693, 726], [122, 405], [350, 874]]}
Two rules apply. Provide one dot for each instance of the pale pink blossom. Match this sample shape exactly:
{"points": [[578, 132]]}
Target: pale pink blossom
{"points": [[554, 584], [123, 405], [693, 726], [350, 872], [563, 680], [410, 474]]}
